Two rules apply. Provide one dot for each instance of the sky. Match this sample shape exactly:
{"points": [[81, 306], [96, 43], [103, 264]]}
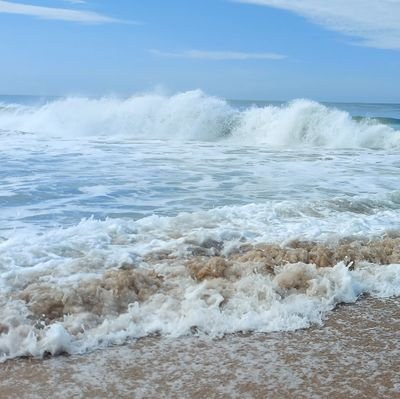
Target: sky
{"points": [[326, 50]]}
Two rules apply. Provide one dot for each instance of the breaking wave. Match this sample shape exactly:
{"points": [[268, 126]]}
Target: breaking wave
{"points": [[255, 289], [195, 116], [209, 273]]}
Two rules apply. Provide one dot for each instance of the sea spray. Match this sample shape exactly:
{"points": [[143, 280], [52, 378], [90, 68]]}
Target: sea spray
{"points": [[195, 116]]}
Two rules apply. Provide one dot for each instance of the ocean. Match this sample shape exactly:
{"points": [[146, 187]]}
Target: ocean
{"points": [[200, 225]]}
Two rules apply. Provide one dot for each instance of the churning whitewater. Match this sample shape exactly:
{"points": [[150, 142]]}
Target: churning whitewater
{"points": [[195, 116], [190, 215]]}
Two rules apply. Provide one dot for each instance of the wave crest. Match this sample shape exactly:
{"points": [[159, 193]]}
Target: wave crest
{"points": [[193, 115], [308, 123]]}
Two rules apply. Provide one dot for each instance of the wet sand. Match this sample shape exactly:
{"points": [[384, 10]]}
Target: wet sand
{"points": [[355, 354]]}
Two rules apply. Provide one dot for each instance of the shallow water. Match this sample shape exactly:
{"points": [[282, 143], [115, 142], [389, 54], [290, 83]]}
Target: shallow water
{"points": [[190, 215], [355, 354]]}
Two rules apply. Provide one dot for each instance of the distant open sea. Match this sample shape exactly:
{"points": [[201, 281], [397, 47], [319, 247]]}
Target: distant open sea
{"points": [[200, 224]]}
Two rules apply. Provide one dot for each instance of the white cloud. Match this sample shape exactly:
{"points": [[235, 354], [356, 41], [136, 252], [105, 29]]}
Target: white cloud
{"points": [[54, 13], [75, 1], [218, 55], [376, 23]]}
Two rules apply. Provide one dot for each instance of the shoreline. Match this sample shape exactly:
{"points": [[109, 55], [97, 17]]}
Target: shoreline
{"points": [[355, 353]]}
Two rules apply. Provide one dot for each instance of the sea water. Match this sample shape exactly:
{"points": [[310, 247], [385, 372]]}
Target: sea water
{"points": [[189, 215]]}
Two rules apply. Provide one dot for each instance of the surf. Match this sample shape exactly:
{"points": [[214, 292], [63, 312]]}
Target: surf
{"points": [[193, 115]]}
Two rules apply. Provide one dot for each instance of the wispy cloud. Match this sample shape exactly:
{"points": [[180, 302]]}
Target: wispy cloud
{"points": [[376, 23], [218, 55], [76, 1], [62, 14]]}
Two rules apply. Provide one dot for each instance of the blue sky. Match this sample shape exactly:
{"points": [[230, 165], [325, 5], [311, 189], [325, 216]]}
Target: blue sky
{"points": [[342, 50]]}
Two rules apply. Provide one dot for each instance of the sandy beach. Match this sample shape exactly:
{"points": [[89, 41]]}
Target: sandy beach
{"points": [[355, 354]]}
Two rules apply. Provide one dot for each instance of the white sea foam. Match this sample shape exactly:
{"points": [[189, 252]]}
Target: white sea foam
{"points": [[165, 252], [103, 244], [62, 290], [195, 116], [253, 302]]}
